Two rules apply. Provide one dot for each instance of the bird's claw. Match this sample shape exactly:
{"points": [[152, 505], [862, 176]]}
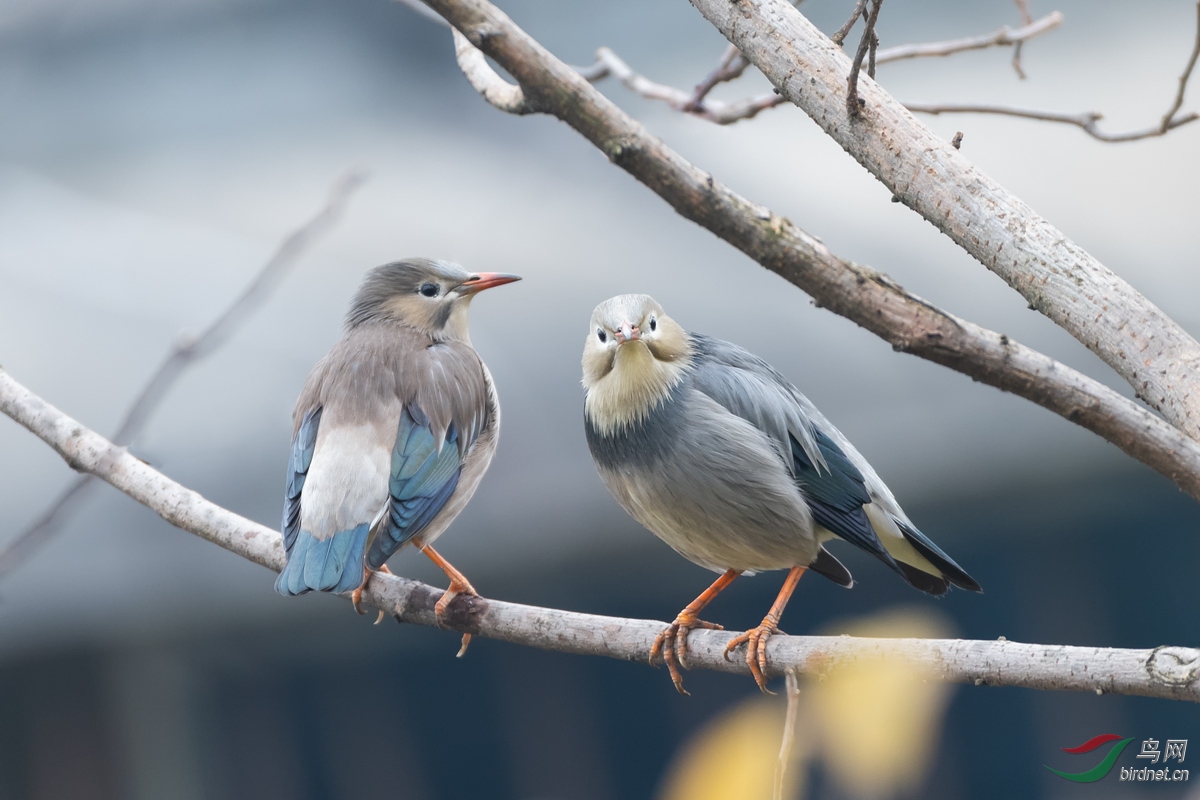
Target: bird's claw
{"points": [[670, 646], [755, 640], [442, 605], [356, 595]]}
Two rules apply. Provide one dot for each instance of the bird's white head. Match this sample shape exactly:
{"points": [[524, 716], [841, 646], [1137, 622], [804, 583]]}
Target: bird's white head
{"points": [[633, 355], [431, 296]]}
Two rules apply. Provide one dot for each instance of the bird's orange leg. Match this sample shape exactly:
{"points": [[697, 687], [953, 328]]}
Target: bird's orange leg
{"points": [[356, 595], [458, 585], [755, 639], [671, 644]]}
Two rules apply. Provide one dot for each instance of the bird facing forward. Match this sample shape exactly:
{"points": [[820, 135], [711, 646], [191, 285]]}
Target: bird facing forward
{"points": [[392, 432], [728, 463]]}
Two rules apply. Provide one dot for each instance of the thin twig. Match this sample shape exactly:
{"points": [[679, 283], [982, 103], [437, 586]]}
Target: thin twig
{"points": [[1088, 121], [712, 110], [732, 64], [853, 101], [729, 68], [1166, 672], [857, 292], [844, 31], [187, 350], [1169, 118], [1026, 19], [998, 38], [789, 731]]}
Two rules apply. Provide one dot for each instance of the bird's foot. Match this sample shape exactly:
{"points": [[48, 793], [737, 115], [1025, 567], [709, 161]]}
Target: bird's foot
{"points": [[670, 646], [458, 585], [755, 640], [441, 606], [356, 595]]}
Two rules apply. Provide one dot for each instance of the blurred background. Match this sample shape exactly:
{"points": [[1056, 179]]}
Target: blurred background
{"points": [[153, 154]]}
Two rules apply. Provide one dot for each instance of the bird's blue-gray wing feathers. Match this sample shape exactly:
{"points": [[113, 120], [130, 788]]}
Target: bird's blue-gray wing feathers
{"points": [[314, 564], [424, 475], [298, 462]]}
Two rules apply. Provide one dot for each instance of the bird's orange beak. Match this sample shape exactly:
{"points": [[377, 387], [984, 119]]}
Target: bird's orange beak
{"points": [[486, 280], [627, 332]]}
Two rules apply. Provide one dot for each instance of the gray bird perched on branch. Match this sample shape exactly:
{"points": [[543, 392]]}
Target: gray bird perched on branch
{"points": [[728, 463], [392, 432]]}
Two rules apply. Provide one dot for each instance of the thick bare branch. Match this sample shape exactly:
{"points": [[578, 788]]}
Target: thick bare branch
{"points": [[856, 292], [1088, 121], [497, 91], [1166, 672], [187, 350], [1158, 358]]}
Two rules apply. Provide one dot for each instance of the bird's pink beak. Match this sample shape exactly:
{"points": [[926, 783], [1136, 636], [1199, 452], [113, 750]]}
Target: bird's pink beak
{"points": [[627, 332], [486, 280]]}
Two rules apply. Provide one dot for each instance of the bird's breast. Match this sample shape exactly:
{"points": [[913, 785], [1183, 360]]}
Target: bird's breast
{"points": [[641, 443]]}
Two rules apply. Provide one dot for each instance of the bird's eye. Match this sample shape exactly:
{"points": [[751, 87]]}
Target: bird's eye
{"points": [[653, 324], [429, 290], [601, 335]]}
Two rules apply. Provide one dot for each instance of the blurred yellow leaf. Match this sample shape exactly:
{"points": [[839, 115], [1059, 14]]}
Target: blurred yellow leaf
{"points": [[880, 719], [733, 757]]}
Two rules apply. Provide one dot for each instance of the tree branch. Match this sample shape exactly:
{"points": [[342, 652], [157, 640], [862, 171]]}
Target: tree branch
{"points": [[732, 64], [712, 110], [1166, 672], [499, 93], [1001, 37], [868, 42], [1158, 358], [1026, 19], [1086, 121], [856, 292], [187, 350]]}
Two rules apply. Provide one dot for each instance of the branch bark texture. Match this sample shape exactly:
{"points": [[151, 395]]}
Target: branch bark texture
{"points": [[1057, 276], [1166, 672], [856, 292]]}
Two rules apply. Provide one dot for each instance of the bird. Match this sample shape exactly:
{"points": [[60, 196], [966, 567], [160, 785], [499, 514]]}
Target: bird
{"points": [[720, 456], [392, 432]]}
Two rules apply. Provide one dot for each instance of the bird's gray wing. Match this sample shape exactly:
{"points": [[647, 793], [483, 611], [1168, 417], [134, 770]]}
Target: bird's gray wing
{"points": [[833, 486]]}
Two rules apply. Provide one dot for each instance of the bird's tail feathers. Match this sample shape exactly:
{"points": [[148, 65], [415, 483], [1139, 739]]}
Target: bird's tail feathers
{"points": [[950, 571], [324, 565], [921, 563], [825, 564]]}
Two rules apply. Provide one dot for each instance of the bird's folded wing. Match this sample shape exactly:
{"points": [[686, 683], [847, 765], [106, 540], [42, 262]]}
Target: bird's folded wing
{"points": [[752, 389], [837, 495], [425, 469], [298, 463]]}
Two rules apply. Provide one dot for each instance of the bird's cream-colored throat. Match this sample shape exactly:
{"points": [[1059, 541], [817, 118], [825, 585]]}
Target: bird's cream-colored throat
{"points": [[637, 382], [444, 321]]}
